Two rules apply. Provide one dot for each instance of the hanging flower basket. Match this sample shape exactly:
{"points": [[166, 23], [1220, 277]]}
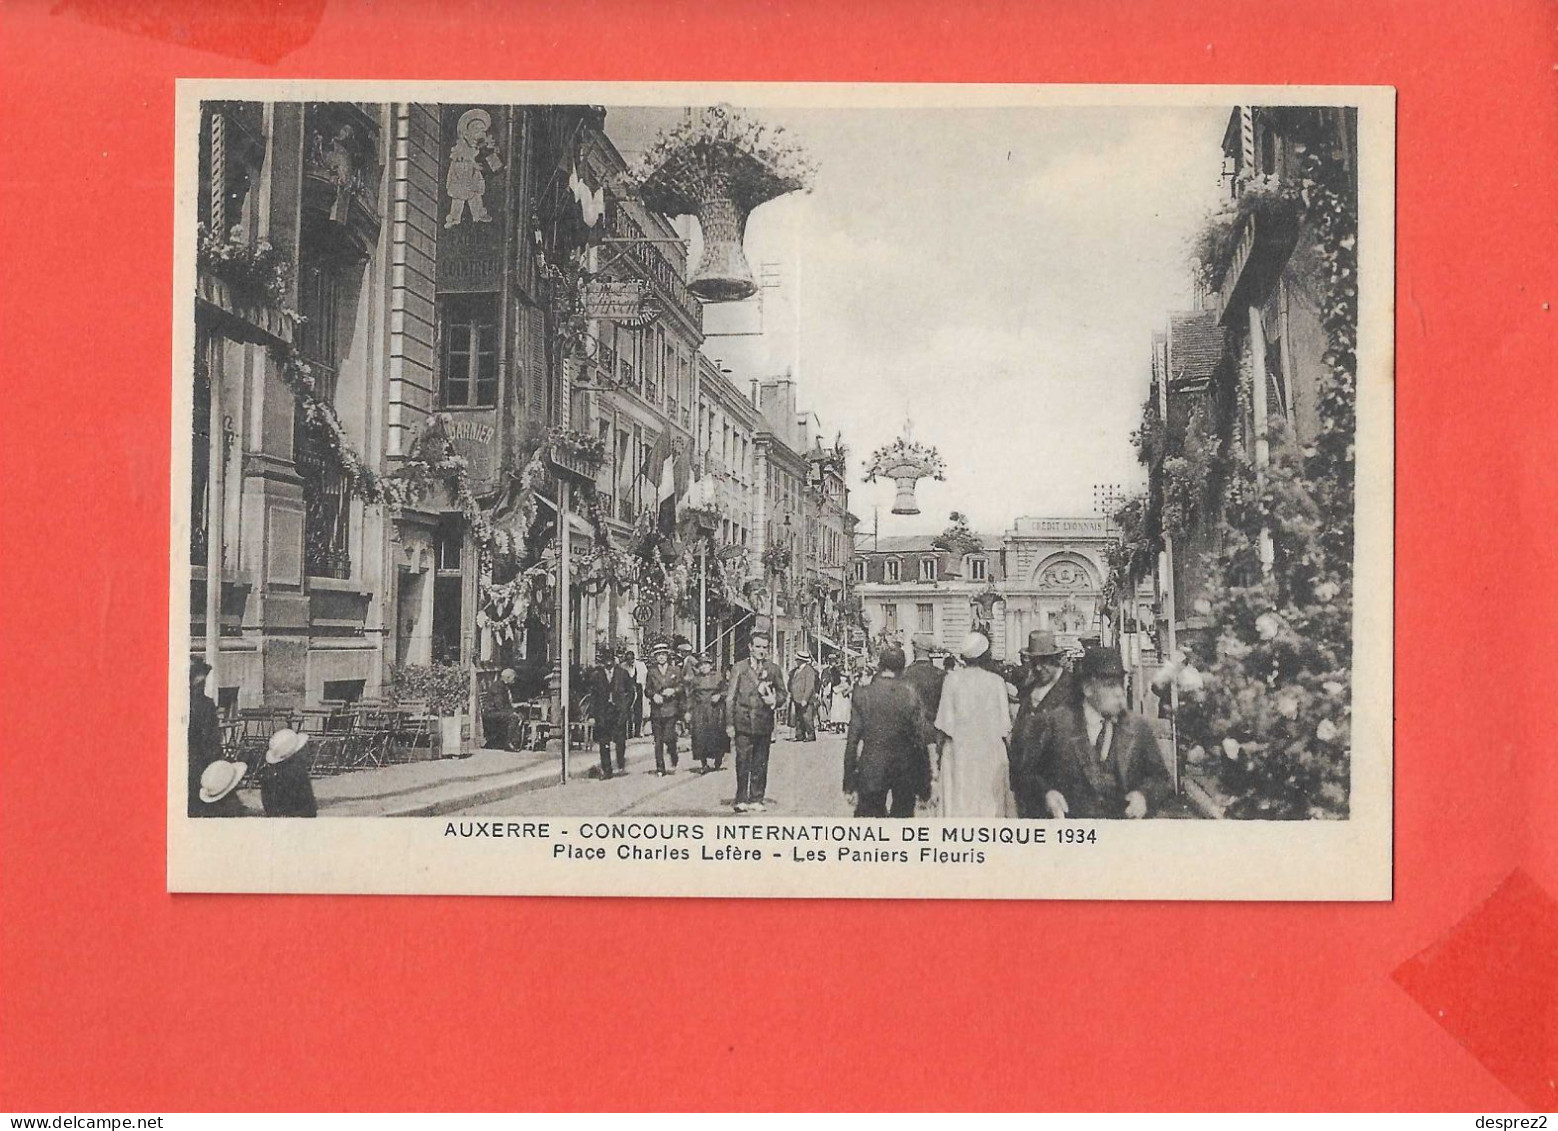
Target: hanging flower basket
{"points": [[719, 165], [905, 462]]}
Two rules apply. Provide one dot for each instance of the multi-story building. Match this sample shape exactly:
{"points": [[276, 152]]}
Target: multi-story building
{"points": [[1247, 367], [411, 241], [802, 512], [726, 425], [1043, 573], [641, 381]]}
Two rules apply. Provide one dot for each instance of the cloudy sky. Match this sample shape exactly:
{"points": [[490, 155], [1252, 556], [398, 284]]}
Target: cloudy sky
{"points": [[993, 275]]}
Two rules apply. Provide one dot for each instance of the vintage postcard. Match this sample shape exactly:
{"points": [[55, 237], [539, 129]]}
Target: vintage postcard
{"points": [[833, 490]]}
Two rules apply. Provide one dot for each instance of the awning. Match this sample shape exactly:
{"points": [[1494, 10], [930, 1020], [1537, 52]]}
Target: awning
{"points": [[823, 640]]}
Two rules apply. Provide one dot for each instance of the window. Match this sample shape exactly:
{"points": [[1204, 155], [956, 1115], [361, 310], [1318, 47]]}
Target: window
{"points": [[447, 545], [890, 571], [890, 617], [342, 690], [925, 618], [978, 569], [860, 570], [927, 569], [470, 351], [327, 508]]}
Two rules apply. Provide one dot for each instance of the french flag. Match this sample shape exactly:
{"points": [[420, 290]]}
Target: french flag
{"points": [[667, 470]]}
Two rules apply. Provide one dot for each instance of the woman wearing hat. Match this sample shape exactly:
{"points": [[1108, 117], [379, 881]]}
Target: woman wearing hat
{"points": [[205, 733], [285, 790], [974, 774], [218, 792], [706, 714]]}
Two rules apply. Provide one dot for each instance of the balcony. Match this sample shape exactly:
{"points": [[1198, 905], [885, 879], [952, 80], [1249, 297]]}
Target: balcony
{"points": [[341, 174], [656, 266]]}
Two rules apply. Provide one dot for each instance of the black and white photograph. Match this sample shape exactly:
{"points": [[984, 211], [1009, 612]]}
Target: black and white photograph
{"points": [[708, 489]]}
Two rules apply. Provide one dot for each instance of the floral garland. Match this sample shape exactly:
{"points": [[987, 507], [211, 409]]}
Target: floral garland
{"points": [[777, 559], [924, 460], [720, 150], [581, 447], [259, 270]]}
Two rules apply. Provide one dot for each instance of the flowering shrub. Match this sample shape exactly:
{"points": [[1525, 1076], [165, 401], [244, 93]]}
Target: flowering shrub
{"points": [[1266, 701], [776, 559]]}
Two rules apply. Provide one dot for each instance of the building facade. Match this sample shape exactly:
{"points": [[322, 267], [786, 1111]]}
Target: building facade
{"points": [[1043, 573]]}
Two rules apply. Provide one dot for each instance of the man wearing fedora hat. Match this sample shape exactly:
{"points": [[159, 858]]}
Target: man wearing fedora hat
{"points": [[1046, 686], [925, 675], [1095, 759], [285, 790], [803, 692]]}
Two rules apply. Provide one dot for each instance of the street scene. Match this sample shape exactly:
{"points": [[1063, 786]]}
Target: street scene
{"points": [[990, 462]]}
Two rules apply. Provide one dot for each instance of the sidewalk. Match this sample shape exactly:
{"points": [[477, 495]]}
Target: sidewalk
{"points": [[448, 785]]}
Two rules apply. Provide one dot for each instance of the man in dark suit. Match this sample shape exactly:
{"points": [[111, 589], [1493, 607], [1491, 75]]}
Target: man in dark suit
{"points": [[1095, 758], [925, 674], [1045, 686], [663, 685], [750, 698], [500, 712], [803, 694], [887, 751], [612, 693]]}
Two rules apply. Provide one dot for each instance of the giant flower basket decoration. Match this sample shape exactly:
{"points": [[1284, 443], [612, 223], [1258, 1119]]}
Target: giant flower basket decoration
{"points": [[719, 165], [905, 462]]}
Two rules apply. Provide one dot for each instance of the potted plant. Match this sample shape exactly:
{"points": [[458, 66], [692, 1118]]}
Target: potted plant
{"points": [[445, 688]]}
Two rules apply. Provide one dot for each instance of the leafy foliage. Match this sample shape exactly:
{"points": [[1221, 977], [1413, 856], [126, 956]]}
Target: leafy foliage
{"points": [[957, 539], [445, 688], [1266, 691]]}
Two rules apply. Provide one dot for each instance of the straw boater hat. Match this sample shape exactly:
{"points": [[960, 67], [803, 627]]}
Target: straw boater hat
{"points": [[283, 744], [974, 645], [1042, 645], [658, 647], [219, 779]]}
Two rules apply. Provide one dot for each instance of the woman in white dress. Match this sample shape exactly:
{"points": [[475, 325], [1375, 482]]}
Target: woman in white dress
{"points": [[973, 779], [838, 710]]}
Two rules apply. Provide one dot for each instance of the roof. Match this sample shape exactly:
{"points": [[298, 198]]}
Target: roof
{"points": [[1195, 347], [912, 543]]}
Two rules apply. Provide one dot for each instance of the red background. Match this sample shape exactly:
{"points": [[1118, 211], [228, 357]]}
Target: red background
{"points": [[117, 996]]}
